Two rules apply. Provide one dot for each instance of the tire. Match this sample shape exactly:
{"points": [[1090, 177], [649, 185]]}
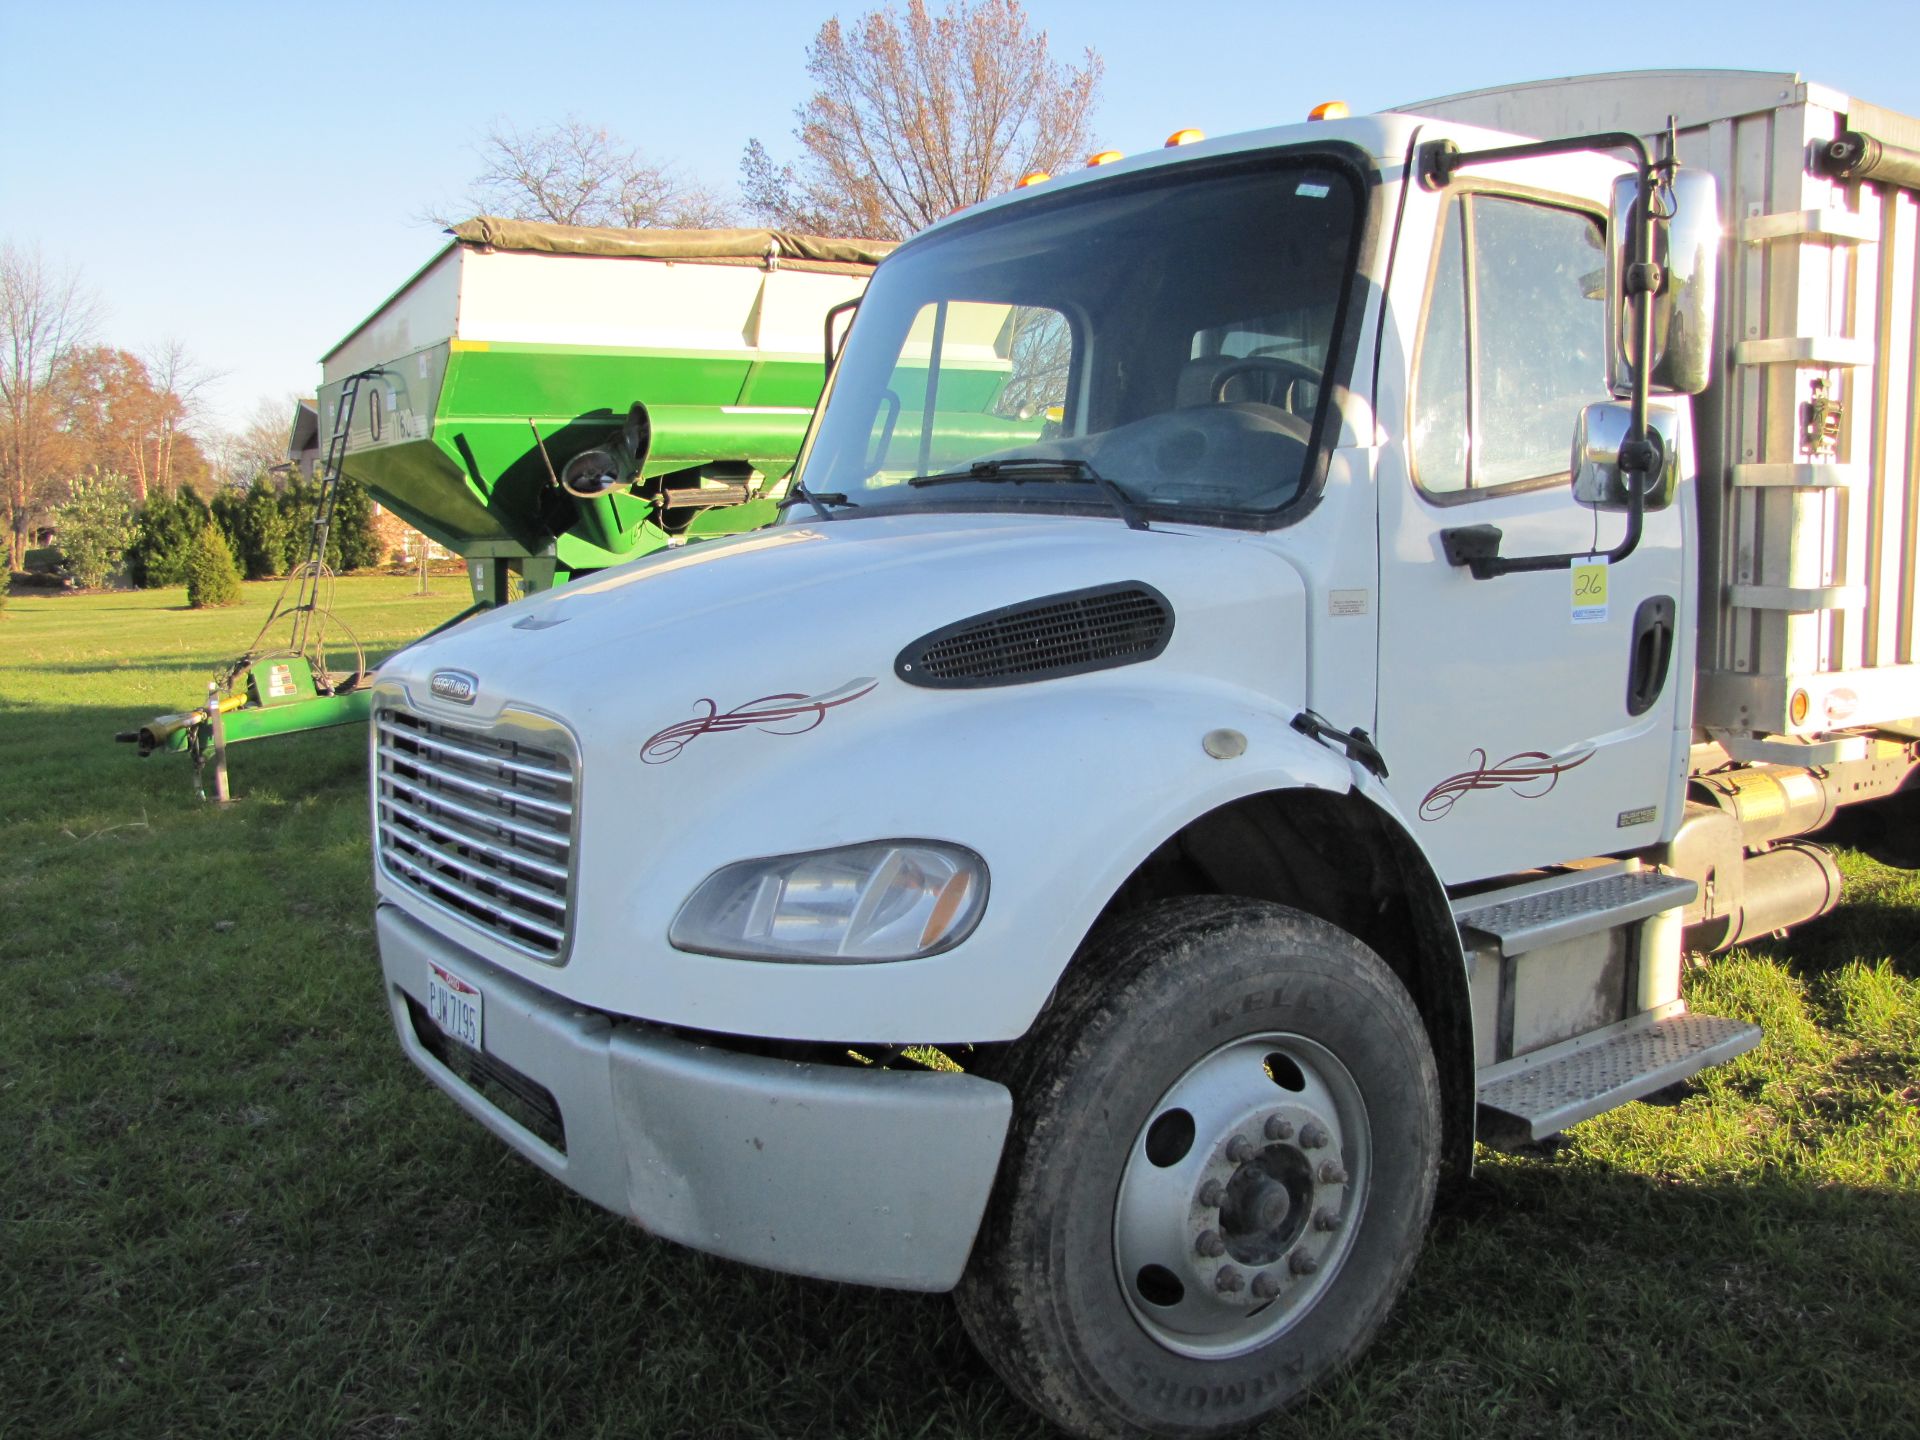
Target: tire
{"points": [[1112, 1285]]}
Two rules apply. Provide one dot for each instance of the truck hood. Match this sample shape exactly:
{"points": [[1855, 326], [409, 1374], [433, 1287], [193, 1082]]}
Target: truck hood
{"points": [[802, 609], [739, 698]]}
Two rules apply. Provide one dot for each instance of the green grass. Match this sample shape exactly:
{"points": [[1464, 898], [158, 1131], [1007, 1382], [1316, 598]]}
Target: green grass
{"points": [[229, 1207]]}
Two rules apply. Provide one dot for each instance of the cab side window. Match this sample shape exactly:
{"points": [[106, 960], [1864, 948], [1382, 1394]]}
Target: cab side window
{"points": [[1512, 344], [1441, 402]]}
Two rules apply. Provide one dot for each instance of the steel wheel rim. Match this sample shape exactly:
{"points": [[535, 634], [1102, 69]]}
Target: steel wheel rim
{"points": [[1242, 1193]]}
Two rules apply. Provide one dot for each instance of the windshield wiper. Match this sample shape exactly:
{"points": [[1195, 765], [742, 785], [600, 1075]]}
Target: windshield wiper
{"points": [[820, 501], [1018, 469]]}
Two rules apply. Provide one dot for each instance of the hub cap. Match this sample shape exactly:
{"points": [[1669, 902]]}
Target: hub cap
{"points": [[1241, 1195]]}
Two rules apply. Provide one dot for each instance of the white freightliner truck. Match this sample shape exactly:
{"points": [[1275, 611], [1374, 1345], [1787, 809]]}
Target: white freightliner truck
{"points": [[1276, 649]]}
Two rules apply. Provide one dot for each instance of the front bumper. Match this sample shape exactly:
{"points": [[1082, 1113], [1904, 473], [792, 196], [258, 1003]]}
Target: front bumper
{"points": [[873, 1176]]}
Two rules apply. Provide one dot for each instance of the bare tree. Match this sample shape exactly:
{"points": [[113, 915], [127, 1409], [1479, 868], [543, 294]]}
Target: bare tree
{"points": [[259, 447], [919, 115], [1039, 342], [44, 316], [181, 382], [574, 173]]}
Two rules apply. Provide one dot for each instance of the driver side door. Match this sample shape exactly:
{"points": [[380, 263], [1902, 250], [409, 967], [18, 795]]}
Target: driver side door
{"points": [[1510, 711]]}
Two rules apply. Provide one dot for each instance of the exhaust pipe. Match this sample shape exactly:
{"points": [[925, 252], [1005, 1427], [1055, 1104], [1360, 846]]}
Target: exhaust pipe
{"points": [[1778, 888]]}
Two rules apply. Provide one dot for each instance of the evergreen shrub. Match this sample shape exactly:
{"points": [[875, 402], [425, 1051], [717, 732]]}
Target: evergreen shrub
{"points": [[212, 577], [166, 535]]}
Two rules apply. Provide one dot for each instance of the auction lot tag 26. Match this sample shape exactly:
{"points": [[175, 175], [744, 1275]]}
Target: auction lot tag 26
{"points": [[1590, 591]]}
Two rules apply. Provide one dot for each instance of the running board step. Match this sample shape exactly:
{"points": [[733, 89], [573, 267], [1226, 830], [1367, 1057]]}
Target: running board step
{"points": [[1541, 1094], [1565, 907]]}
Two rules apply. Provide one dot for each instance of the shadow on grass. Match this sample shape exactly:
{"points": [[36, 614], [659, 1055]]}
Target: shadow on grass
{"points": [[418, 1282], [1571, 1296], [64, 763], [95, 598], [205, 663], [238, 1211], [1873, 922]]}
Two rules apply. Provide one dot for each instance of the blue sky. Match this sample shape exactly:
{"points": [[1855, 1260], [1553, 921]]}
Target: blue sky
{"points": [[247, 177]]}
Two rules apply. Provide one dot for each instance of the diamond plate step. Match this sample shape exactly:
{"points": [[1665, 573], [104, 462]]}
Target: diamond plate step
{"points": [[1529, 917], [1541, 1094]]}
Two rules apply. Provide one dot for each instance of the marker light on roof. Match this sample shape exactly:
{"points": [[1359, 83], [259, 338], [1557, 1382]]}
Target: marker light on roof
{"points": [[1329, 110], [1032, 177], [1185, 137], [1104, 157]]}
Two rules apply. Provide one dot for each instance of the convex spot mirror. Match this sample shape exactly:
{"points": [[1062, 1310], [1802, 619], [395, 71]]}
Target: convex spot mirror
{"points": [[591, 474], [1597, 438], [615, 466], [1686, 247]]}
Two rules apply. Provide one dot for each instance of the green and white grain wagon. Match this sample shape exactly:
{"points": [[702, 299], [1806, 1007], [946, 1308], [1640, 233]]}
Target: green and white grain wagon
{"points": [[546, 401], [521, 346]]}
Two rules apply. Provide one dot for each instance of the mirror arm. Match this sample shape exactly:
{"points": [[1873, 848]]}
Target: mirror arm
{"points": [[1439, 160], [834, 313], [1477, 547]]}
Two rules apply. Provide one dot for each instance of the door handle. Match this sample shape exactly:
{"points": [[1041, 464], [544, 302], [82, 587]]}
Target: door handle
{"points": [[1652, 653]]}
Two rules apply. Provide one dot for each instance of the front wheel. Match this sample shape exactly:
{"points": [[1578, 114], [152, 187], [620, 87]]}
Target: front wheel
{"points": [[1222, 1163]]}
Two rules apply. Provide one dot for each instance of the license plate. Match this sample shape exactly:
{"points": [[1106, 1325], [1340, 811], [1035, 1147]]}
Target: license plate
{"points": [[454, 1005]]}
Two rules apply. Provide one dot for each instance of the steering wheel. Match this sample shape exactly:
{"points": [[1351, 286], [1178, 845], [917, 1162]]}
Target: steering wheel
{"points": [[1282, 378]]}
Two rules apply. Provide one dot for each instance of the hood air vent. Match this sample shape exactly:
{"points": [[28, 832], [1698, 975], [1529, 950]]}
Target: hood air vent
{"points": [[1043, 639]]}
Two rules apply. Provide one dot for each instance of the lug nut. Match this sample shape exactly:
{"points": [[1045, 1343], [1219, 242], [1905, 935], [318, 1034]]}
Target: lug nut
{"points": [[1301, 1263], [1212, 1194], [1313, 1135], [1228, 1281], [1278, 1128], [1210, 1244], [1332, 1173], [1326, 1220], [1239, 1150], [1265, 1287]]}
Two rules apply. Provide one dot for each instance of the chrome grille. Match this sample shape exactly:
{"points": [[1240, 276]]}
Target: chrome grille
{"points": [[480, 822]]}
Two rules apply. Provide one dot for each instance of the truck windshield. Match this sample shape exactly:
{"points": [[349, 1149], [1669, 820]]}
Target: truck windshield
{"points": [[1169, 332]]}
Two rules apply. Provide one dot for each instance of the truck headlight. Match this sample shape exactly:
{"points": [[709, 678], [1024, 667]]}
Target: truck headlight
{"points": [[885, 900]]}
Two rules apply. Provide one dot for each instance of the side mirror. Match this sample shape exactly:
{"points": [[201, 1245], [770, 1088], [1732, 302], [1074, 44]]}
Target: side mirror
{"points": [[1597, 437], [1686, 247]]}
